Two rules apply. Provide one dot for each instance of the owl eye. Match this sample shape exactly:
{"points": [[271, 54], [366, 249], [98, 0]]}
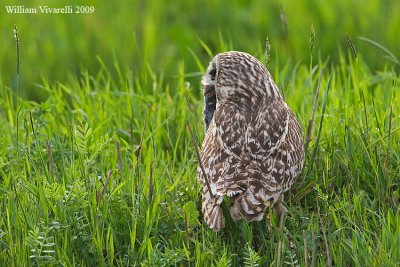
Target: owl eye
{"points": [[213, 73]]}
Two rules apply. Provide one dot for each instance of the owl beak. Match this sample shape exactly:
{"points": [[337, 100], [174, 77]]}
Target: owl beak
{"points": [[209, 90]]}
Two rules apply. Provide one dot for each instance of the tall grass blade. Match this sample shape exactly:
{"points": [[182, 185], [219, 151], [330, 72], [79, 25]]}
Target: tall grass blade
{"points": [[389, 54]]}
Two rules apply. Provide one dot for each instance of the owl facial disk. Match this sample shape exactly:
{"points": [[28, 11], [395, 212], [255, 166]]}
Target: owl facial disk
{"points": [[210, 100], [208, 80]]}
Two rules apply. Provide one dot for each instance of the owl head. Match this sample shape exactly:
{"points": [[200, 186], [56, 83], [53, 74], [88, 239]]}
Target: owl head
{"points": [[238, 77]]}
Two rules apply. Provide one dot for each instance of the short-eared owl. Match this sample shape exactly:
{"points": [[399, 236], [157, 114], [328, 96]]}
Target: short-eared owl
{"points": [[253, 148]]}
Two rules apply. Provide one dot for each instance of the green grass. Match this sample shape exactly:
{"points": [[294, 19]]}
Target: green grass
{"points": [[103, 170], [137, 33]]}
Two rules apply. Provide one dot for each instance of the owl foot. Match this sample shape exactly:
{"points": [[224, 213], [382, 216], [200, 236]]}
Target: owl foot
{"points": [[282, 212]]}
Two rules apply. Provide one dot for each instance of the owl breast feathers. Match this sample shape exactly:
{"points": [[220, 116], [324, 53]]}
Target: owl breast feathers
{"points": [[253, 148]]}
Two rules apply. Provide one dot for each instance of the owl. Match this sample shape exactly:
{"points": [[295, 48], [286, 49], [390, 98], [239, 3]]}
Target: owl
{"points": [[253, 149]]}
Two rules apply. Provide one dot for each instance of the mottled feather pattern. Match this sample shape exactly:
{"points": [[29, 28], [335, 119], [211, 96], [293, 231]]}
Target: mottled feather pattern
{"points": [[253, 148]]}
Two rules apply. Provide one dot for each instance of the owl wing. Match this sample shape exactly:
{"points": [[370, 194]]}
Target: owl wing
{"points": [[259, 171], [219, 155], [269, 127], [275, 148], [222, 147]]}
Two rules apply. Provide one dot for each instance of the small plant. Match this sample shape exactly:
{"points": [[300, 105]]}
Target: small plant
{"points": [[41, 245], [251, 258]]}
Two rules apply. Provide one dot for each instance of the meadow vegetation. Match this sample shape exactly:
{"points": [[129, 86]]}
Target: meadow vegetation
{"points": [[97, 164]]}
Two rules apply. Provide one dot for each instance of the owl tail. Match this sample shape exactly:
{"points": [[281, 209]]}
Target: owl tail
{"points": [[212, 210], [246, 206]]}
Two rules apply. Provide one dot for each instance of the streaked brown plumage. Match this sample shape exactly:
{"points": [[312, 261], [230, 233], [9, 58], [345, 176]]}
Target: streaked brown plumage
{"points": [[253, 148]]}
